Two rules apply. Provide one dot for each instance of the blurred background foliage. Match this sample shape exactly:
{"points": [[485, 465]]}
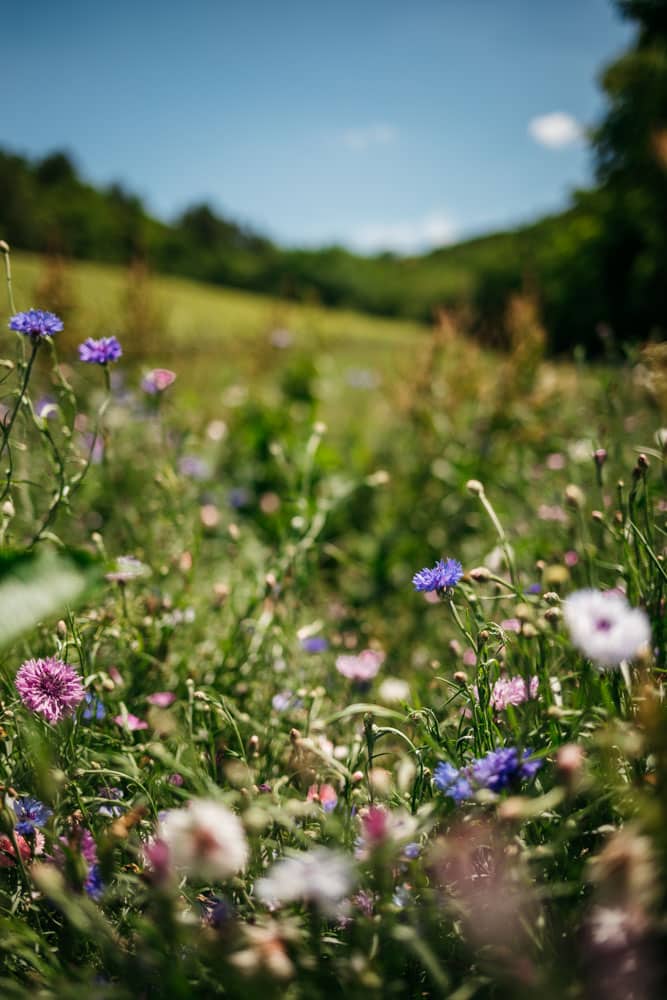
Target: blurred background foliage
{"points": [[598, 268]]}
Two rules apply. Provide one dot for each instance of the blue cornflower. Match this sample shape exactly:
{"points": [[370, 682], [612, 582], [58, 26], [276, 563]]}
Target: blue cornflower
{"points": [[411, 851], [314, 644], [501, 768], [30, 813], [113, 794], [446, 573], [100, 352], [94, 886], [36, 323], [94, 708], [451, 781]]}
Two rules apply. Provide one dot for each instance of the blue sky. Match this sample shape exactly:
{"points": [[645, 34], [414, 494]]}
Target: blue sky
{"points": [[376, 123]]}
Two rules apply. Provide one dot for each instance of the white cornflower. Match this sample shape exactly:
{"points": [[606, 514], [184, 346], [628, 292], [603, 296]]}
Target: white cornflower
{"points": [[321, 876], [605, 627], [205, 840]]}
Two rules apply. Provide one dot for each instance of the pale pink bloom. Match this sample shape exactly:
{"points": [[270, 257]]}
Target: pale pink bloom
{"points": [[512, 691], [469, 658], [545, 512], [157, 380], [163, 699], [322, 876], [555, 461], [511, 625], [205, 839], [361, 668]]}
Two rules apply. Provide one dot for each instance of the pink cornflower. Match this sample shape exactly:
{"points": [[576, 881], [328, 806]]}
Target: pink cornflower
{"points": [[361, 668], [325, 795], [8, 852], [163, 699], [131, 722], [49, 687], [512, 691]]}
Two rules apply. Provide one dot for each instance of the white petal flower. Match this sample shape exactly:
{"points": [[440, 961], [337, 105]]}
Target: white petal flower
{"points": [[321, 876], [605, 627], [205, 840]]}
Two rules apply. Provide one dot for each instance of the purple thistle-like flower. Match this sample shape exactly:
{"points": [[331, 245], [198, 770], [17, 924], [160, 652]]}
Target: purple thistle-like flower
{"points": [[49, 687], [36, 323], [445, 574], [100, 352], [30, 813]]}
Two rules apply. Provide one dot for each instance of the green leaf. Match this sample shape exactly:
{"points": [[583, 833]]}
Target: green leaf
{"points": [[39, 585]]}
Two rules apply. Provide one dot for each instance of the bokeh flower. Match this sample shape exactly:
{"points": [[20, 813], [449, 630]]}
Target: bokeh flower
{"points": [[205, 840], [100, 352], [126, 568], [49, 687], [36, 323], [157, 380], [361, 668], [131, 722], [445, 574], [605, 627], [321, 876]]}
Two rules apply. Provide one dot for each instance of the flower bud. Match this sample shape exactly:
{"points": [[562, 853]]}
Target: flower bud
{"points": [[475, 487]]}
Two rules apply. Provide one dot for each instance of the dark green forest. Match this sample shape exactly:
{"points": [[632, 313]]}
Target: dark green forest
{"points": [[600, 267]]}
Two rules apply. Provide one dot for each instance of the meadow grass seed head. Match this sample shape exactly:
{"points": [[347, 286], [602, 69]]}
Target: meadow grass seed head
{"points": [[50, 688]]}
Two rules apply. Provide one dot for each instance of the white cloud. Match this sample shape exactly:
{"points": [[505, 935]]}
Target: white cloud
{"points": [[408, 236], [555, 130], [372, 135]]}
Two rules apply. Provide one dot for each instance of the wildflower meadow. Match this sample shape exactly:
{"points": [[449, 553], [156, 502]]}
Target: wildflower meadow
{"points": [[321, 679]]}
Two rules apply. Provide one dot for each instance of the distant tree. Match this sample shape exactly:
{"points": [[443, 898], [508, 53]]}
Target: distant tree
{"points": [[631, 159]]}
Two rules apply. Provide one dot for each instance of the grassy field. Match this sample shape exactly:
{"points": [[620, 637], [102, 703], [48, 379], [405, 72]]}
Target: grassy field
{"points": [[294, 771]]}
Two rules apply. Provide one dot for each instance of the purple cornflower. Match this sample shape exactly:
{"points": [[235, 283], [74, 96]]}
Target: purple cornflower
{"points": [[36, 323], [451, 781], [501, 768], [445, 574], [49, 687], [100, 352], [30, 813]]}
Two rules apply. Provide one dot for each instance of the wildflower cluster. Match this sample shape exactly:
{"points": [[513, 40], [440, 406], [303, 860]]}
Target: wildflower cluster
{"points": [[498, 770]]}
